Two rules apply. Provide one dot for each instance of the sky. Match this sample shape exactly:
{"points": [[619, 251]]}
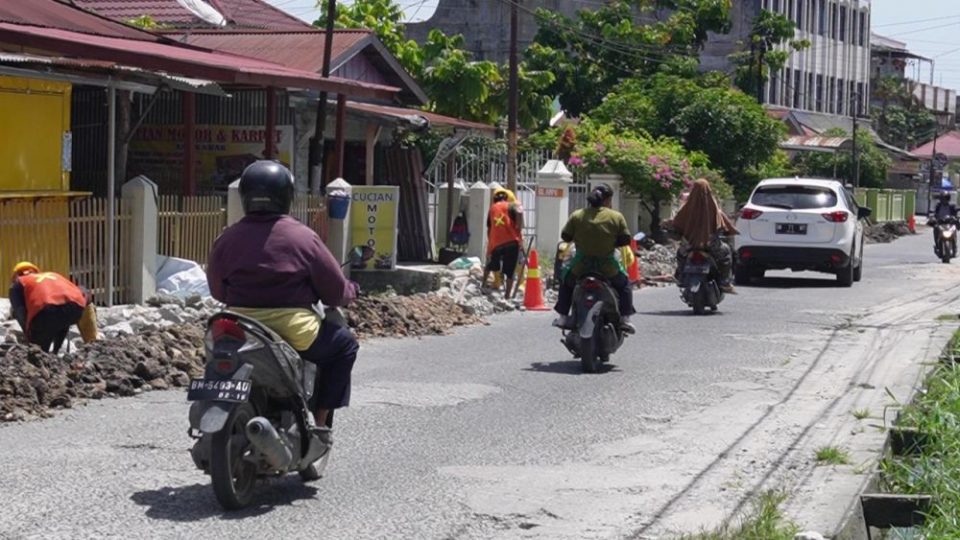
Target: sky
{"points": [[929, 27]]}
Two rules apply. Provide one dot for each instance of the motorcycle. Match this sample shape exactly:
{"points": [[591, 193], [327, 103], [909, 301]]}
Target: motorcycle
{"points": [[946, 246], [249, 412], [596, 316], [700, 282]]}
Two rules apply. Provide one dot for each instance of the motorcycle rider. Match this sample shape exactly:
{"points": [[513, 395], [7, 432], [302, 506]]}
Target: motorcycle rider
{"points": [[701, 222], [272, 268], [504, 226], [944, 210], [597, 231]]}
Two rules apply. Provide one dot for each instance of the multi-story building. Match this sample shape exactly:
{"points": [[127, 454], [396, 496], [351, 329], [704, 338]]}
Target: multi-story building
{"points": [[891, 58], [820, 79]]}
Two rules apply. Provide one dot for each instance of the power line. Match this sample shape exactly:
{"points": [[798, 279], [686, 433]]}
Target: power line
{"points": [[916, 21]]}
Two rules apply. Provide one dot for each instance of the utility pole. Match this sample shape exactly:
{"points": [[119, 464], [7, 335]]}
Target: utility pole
{"points": [[317, 146], [854, 110], [933, 166], [514, 102]]}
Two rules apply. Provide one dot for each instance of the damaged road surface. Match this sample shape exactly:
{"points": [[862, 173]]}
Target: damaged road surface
{"points": [[493, 432]]}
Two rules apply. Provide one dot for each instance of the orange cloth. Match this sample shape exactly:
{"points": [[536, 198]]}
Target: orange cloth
{"points": [[48, 289], [701, 216], [503, 228]]}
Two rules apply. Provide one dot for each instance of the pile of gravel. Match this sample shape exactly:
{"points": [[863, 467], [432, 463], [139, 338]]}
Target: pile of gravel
{"points": [[884, 233]]}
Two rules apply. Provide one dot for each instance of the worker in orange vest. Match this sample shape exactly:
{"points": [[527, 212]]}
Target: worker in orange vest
{"points": [[504, 226], [47, 304]]}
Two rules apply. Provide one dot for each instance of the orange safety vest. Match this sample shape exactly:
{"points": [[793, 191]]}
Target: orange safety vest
{"points": [[503, 229], [48, 289]]}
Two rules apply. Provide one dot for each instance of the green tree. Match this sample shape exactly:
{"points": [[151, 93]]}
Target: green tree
{"points": [[456, 83], [874, 162], [705, 114], [591, 53], [899, 119], [769, 31]]}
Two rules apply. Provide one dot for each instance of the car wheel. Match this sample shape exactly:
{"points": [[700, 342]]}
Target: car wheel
{"points": [[845, 275], [741, 275]]}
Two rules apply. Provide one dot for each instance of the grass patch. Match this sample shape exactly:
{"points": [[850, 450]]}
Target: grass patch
{"points": [[763, 521], [831, 455], [947, 317], [861, 414], [936, 470]]}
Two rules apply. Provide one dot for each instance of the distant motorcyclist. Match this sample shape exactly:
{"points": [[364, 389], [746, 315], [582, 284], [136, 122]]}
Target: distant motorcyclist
{"points": [[945, 210], [597, 232], [272, 268], [702, 224]]}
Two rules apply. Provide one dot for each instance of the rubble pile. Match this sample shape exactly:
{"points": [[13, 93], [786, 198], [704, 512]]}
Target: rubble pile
{"points": [[883, 233], [407, 316], [33, 382], [658, 264]]}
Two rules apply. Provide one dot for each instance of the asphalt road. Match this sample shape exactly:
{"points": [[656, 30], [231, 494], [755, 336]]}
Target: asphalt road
{"points": [[494, 432]]}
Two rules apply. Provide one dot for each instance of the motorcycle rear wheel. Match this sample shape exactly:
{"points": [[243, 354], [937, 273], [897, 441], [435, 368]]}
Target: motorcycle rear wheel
{"points": [[699, 303], [233, 477], [589, 359]]}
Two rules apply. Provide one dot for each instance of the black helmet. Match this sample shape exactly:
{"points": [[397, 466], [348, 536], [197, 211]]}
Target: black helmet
{"points": [[599, 194], [266, 187], [944, 196]]}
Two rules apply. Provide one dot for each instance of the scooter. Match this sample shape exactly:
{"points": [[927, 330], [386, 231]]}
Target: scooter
{"points": [[946, 247], [700, 282], [596, 333], [249, 412]]}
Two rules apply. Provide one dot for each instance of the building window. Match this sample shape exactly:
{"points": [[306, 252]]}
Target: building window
{"points": [[833, 21], [841, 96], [832, 97], [797, 78], [776, 6], [843, 23], [822, 17], [860, 100], [819, 103], [790, 12], [800, 18], [863, 29]]}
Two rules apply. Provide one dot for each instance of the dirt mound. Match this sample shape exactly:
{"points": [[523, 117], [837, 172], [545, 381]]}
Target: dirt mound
{"points": [[33, 382], [405, 316], [883, 233], [658, 263]]}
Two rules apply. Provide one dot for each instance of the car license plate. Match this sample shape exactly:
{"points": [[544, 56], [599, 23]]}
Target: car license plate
{"points": [[697, 269], [791, 228], [219, 390]]}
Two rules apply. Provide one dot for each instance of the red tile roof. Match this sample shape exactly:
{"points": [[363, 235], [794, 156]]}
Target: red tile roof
{"points": [[239, 13], [300, 50], [947, 144], [57, 15]]}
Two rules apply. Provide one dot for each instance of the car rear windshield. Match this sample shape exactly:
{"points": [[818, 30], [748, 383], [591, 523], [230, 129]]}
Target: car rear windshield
{"points": [[795, 197]]}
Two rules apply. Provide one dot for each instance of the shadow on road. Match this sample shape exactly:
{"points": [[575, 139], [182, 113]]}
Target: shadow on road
{"points": [[196, 502], [680, 313], [791, 283], [568, 367]]}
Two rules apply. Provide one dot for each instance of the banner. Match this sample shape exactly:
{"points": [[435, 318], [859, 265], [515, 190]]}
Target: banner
{"points": [[221, 152], [374, 220]]}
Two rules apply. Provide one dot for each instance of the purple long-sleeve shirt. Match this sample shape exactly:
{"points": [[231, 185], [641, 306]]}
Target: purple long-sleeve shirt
{"points": [[271, 261]]}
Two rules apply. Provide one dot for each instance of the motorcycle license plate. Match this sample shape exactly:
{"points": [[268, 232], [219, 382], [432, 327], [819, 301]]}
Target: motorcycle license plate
{"points": [[219, 390], [697, 269], [791, 228]]}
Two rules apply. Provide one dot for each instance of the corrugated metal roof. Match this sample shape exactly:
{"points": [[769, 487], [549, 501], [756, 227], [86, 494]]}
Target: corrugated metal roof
{"points": [[817, 142], [180, 60], [300, 50], [239, 13], [412, 116], [57, 15], [948, 144]]}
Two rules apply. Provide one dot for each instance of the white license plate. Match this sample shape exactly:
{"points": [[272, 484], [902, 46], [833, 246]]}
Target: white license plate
{"points": [[219, 390], [697, 269]]}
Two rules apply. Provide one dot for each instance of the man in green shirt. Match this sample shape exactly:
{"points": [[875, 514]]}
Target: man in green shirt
{"points": [[597, 231]]}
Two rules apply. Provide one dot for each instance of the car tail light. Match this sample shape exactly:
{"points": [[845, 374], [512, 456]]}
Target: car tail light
{"points": [[750, 213], [697, 257], [745, 254], [836, 217], [836, 259]]}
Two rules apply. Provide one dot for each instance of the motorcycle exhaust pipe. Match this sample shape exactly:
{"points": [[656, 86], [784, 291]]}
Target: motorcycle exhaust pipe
{"points": [[265, 438]]}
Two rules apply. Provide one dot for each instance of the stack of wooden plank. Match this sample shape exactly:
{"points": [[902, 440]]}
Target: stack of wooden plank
{"points": [[404, 169]]}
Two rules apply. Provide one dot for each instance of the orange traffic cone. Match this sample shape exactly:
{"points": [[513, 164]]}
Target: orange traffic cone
{"points": [[633, 273], [912, 224], [533, 291]]}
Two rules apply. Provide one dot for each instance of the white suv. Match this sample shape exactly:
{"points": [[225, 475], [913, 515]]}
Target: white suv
{"points": [[801, 224]]}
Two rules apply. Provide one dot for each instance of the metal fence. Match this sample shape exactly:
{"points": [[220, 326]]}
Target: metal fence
{"points": [[89, 250], [488, 164], [187, 226], [888, 204]]}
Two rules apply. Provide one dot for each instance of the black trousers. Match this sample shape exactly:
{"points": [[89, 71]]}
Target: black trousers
{"points": [[50, 326], [619, 282], [334, 352]]}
